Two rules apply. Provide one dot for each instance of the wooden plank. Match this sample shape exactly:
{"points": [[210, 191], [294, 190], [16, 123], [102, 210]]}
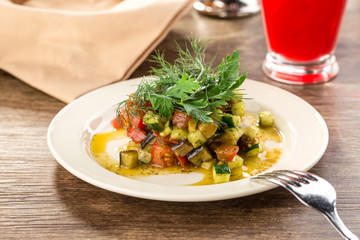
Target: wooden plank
{"points": [[41, 200]]}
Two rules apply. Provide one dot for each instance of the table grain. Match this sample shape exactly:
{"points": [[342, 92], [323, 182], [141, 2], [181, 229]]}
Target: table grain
{"points": [[41, 200]]}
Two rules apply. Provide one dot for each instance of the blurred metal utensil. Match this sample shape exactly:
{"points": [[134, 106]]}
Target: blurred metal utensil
{"points": [[227, 8], [313, 191]]}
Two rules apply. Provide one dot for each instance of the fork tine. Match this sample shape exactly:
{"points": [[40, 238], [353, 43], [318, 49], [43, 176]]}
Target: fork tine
{"points": [[282, 180], [307, 175], [271, 179], [285, 178], [320, 196], [293, 175]]}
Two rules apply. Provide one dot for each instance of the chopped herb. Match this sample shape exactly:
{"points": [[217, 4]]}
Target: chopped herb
{"points": [[188, 85]]}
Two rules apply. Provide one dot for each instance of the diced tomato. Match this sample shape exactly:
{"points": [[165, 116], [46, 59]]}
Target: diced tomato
{"points": [[116, 124], [136, 134], [162, 155], [165, 139], [141, 124], [183, 160], [133, 103], [137, 122], [181, 119], [226, 152], [121, 121], [147, 104]]}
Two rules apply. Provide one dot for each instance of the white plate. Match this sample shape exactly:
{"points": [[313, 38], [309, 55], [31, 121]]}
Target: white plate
{"points": [[304, 130]]}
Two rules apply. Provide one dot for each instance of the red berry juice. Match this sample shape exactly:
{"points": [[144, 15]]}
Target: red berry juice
{"points": [[302, 30]]}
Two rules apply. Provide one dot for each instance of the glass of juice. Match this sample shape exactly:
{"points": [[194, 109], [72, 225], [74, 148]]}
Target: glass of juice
{"points": [[301, 36]]}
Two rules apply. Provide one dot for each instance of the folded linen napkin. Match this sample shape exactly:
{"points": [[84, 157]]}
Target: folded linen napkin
{"points": [[66, 53]]}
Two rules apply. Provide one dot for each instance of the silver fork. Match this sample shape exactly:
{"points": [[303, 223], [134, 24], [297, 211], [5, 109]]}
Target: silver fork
{"points": [[312, 191]]}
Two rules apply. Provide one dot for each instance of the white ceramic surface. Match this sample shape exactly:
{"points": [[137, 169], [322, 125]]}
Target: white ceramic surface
{"points": [[304, 130]]}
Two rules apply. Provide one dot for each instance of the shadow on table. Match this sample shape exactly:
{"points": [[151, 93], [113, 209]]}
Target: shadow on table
{"points": [[124, 216]]}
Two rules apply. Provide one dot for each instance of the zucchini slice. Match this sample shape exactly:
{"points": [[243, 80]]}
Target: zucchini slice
{"points": [[179, 133], [254, 150], [221, 173], [252, 132], [144, 156], [128, 158], [236, 162], [231, 135], [238, 109], [167, 130], [231, 120], [153, 121], [238, 96], [265, 119], [182, 148], [196, 138]]}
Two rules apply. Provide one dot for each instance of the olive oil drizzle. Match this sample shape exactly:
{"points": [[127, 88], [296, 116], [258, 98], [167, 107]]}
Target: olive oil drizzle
{"points": [[251, 165]]}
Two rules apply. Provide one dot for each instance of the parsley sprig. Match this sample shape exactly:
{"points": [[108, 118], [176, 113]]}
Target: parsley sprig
{"points": [[188, 85]]}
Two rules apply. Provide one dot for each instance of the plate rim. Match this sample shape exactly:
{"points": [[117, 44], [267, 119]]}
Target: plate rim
{"points": [[258, 187]]}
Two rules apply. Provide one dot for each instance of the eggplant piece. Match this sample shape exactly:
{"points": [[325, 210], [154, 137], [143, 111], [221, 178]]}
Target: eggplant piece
{"points": [[199, 155], [128, 158], [182, 148], [147, 140], [212, 145], [218, 132], [208, 129]]}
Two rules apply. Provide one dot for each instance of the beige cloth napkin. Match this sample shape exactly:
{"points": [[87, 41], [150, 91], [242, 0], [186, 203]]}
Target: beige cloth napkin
{"points": [[68, 53]]}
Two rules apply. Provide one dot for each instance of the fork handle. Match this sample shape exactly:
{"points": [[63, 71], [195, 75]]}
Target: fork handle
{"points": [[334, 219]]}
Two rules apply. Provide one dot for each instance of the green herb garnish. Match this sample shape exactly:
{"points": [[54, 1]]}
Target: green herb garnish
{"points": [[188, 85]]}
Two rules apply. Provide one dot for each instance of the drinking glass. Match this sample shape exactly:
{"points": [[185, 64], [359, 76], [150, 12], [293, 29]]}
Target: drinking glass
{"points": [[301, 36]]}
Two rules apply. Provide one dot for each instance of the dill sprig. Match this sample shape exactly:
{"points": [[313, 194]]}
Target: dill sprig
{"points": [[188, 85]]}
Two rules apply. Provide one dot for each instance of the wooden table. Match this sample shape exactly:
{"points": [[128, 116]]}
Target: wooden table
{"points": [[41, 200]]}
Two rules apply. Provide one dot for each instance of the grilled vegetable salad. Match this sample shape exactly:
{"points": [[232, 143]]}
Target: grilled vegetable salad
{"points": [[192, 116]]}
